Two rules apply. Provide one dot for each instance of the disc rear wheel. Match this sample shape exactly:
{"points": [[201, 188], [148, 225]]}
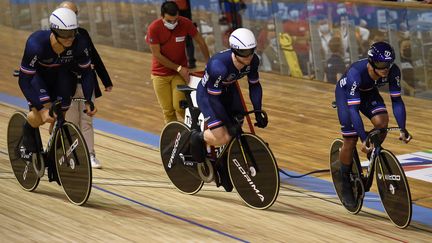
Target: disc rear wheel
{"points": [[177, 160], [23, 170], [356, 182]]}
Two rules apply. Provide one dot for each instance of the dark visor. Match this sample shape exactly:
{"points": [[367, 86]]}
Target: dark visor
{"points": [[65, 34], [382, 65], [244, 52]]}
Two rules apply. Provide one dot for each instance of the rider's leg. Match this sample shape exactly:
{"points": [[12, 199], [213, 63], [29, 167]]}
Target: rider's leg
{"points": [[34, 120], [213, 137], [346, 153], [198, 149], [374, 108], [381, 121], [346, 159], [217, 137]]}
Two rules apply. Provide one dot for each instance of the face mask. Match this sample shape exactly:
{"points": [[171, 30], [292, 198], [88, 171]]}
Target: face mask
{"points": [[170, 26], [324, 28]]}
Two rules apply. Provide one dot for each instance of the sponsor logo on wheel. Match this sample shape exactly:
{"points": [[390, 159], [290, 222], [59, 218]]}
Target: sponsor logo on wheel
{"points": [[176, 143], [249, 180]]}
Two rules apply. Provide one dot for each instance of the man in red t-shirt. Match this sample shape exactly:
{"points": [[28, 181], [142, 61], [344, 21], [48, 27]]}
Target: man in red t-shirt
{"points": [[166, 37]]}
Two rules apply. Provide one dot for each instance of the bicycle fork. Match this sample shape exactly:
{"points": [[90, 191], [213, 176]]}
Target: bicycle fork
{"points": [[66, 153], [244, 148]]}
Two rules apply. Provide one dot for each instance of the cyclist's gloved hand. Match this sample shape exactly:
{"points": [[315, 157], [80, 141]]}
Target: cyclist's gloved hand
{"points": [[261, 120], [366, 147], [91, 109], [405, 136]]}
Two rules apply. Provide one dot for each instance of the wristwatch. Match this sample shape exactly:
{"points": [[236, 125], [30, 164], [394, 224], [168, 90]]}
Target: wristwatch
{"points": [[179, 68]]}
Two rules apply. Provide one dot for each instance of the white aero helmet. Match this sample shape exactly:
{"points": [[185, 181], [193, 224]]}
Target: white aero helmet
{"points": [[63, 23], [242, 42]]}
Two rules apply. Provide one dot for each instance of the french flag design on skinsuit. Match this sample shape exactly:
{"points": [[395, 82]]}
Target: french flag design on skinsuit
{"points": [[378, 109], [253, 81], [395, 93], [86, 65], [214, 124], [27, 71], [350, 133], [214, 91], [354, 101]]}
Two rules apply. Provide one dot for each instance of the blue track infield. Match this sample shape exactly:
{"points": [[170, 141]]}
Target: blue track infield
{"points": [[420, 214]]}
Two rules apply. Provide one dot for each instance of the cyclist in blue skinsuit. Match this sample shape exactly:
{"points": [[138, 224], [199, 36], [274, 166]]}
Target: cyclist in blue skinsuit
{"points": [[45, 73], [356, 91], [217, 94]]}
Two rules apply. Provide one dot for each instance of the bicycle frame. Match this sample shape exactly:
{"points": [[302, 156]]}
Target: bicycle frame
{"points": [[375, 155], [195, 124], [60, 120]]}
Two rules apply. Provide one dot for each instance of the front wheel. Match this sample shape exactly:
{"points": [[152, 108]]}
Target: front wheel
{"points": [[253, 171], [393, 189], [23, 170], [72, 161]]}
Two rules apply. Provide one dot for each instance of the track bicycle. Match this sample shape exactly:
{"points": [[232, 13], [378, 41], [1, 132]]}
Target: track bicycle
{"points": [[251, 166], [66, 156], [390, 177]]}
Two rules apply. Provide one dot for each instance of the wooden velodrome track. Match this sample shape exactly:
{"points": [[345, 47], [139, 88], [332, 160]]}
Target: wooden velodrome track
{"points": [[133, 200]]}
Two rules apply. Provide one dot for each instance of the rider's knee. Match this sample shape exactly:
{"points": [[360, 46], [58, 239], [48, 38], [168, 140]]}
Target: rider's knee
{"points": [[350, 142], [380, 121], [225, 138], [34, 118], [221, 137]]}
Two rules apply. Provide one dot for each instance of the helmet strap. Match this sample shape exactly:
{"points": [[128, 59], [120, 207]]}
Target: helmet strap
{"points": [[238, 60], [374, 69], [57, 40]]}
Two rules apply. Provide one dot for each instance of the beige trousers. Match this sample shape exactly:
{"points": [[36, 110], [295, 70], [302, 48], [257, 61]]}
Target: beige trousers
{"points": [[84, 122], [168, 96]]}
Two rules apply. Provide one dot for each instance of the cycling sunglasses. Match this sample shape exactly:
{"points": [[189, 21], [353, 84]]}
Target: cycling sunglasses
{"points": [[244, 52], [65, 34], [381, 65]]}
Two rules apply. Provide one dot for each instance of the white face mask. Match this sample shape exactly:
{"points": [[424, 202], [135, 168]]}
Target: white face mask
{"points": [[324, 28], [170, 26]]}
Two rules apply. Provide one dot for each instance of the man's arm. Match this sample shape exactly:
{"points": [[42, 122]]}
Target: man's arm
{"points": [[155, 49], [97, 60], [398, 105], [255, 89], [183, 71], [83, 60], [28, 68]]}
